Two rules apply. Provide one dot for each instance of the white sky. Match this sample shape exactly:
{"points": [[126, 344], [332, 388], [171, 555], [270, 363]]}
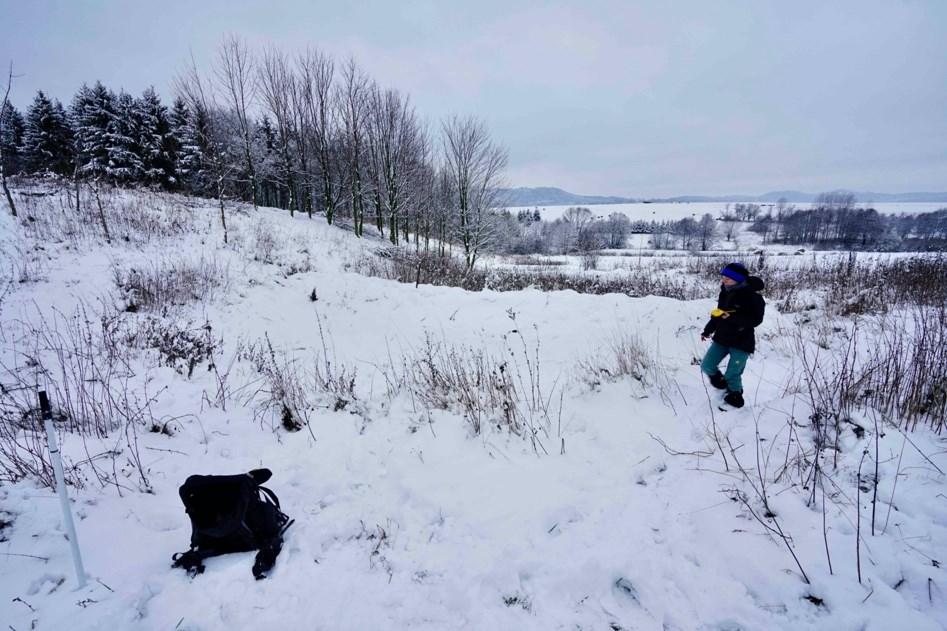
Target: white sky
{"points": [[597, 97]]}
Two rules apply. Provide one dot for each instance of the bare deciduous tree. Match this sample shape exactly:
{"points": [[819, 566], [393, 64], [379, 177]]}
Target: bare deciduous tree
{"points": [[236, 74], [422, 182], [707, 231], [395, 137], [475, 167], [617, 228], [578, 221], [321, 124], [302, 138], [200, 98], [277, 84], [353, 100], [444, 194]]}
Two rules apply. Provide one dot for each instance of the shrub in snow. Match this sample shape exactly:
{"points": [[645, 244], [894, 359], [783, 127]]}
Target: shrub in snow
{"points": [[263, 242], [289, 392], [64, 214], [625, 356], [85, 368], [179, 345], [283, 394], [422, 268], [505, 393], [163, 284], [897, 368], [6, 520]]}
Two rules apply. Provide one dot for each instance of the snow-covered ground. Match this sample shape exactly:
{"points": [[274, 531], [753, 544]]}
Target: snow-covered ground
{"points": [[623, 513]]}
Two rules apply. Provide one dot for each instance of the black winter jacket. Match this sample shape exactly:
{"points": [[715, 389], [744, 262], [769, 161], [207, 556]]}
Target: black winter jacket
{"points": [[747, 308]]}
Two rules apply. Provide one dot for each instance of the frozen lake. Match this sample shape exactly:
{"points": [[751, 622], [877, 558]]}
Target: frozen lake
{"points": [[674, 211]]}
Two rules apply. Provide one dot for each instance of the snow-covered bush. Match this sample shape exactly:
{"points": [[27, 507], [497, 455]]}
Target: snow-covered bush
{"points": [[263, 242], [470, 380], [644, 283], [21, 264], [425, 268], [624, 356], [896, 366], [48, 212], [84, 365], [503, 392], [165, 283], [179, 345], [288, 392]]}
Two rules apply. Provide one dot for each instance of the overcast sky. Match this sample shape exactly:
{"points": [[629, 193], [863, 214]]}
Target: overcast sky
{"points": [[598, 97]]}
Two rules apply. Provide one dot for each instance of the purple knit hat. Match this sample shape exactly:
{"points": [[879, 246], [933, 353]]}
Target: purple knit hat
{"points": [[736, 271]]}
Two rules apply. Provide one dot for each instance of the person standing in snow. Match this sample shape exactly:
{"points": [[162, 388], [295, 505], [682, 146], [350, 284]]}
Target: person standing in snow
{"points": [[739, 311]]}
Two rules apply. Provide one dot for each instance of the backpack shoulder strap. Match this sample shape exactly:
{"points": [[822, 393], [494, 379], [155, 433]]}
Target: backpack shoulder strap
{"points": [[270, 495], [283, 521]]}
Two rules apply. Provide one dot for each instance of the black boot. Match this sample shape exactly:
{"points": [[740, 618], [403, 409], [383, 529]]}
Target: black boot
{"points": [[734, 398], [717, 381]]}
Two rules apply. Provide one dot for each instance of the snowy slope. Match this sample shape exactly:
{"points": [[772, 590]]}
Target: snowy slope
{"points": [[407, 519]]}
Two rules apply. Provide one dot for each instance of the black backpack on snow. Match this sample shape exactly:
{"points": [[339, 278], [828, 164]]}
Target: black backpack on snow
{"points": [[232, 513]]}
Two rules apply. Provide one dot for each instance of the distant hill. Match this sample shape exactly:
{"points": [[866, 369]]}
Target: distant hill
{"points": [[551, 196]]}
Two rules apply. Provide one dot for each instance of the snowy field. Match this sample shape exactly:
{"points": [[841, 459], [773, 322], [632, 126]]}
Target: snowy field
{"points": [[619, 497], [660, 211]]}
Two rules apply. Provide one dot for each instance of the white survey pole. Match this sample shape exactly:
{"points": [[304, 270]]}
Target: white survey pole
{"points": [[56, 460]]}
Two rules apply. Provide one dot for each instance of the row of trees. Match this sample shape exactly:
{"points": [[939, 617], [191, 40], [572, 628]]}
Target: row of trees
{"points": [[579, 231], [103, 135], [835, 220], [304, 133], [741, 211]]}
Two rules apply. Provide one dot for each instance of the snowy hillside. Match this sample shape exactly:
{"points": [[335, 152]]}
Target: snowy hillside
{"points": [[452, 459]]}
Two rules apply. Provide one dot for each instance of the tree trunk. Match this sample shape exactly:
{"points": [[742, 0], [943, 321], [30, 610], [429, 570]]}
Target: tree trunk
{"points": [[252, 172], [223, 214], [98, 202], [6, 191], [75, 177], [3, 172], [379, 215]]}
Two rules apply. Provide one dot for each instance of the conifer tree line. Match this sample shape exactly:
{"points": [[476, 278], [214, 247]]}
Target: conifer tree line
{"points": [[116, 137], [305, 133]]}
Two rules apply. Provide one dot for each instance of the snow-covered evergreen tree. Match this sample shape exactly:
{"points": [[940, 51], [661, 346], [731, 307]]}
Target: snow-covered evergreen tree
{"points": [[92, 111], [267, 163], [68, 164], [125, 165], [186, 129], [155, 140], [11, 139], [46, 137], [179, 117]]}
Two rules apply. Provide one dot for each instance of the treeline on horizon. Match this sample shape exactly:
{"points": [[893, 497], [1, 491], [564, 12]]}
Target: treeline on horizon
{"points": [[833, 220]]}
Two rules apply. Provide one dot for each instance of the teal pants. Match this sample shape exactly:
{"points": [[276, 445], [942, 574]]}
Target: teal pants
{"points": [[735, 366]]}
